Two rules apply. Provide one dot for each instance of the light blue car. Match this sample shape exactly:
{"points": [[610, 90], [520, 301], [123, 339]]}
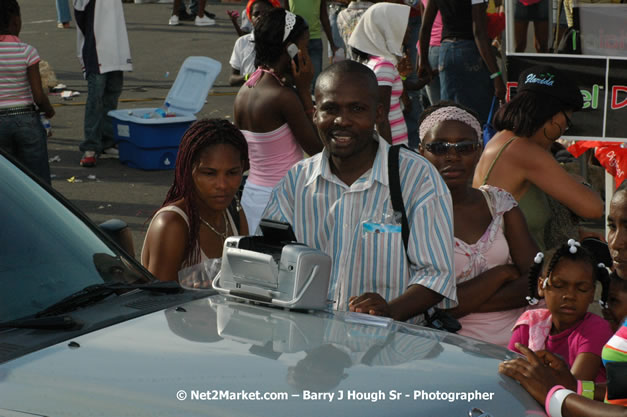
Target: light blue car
{"points": [[86, 331]]}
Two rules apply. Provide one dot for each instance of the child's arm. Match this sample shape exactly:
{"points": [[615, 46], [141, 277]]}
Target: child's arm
{"points": [[519, 335], [236, 79], [593, 334], [39, 97], [234, 15], [586, 366]]}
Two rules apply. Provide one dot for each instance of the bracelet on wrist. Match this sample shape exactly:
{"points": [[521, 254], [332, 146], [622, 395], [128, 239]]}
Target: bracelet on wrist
{"points": [[586, 389], [555, 400], [246, 77], [495, 74]]}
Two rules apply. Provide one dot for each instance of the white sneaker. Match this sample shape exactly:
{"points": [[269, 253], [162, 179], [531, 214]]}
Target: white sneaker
{"points": [[204, 21], [110, 153], [174, 20]]}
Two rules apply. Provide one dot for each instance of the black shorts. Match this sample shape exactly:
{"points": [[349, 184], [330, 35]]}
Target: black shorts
{"points": [[535, 13]]}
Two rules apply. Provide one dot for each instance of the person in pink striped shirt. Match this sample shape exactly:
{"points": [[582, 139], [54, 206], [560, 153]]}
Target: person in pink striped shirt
{"points": [[21, 132], [377, 42]]}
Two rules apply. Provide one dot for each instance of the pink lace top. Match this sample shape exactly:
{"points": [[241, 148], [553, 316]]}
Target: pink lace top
{"points": [[489, 251]]}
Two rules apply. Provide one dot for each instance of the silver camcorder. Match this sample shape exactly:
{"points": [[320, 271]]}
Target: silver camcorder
{"points": [[274, 269]]}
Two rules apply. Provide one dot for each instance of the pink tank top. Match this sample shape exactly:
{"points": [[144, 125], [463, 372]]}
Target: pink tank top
{"points": [[271, 155]]}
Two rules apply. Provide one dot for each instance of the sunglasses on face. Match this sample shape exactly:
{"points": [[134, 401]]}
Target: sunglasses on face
{"points": [[443, 148]]}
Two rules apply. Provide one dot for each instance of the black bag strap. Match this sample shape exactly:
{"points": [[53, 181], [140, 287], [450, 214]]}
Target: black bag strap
{"points": [[435, 318], [396, 194]]}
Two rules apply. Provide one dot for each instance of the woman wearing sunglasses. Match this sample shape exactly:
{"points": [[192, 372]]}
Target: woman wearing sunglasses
{"points": [[493, 248], [518, 157]]}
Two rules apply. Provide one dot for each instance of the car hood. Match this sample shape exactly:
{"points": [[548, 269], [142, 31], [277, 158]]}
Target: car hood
{"points": [[218, 357]]}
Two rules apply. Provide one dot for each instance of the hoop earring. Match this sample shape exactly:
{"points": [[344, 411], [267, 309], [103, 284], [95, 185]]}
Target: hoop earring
{"points": [[556, 137]]}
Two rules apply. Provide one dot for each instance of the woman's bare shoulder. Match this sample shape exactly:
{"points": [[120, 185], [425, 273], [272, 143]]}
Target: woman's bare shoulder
{"points": [[167, 222]]}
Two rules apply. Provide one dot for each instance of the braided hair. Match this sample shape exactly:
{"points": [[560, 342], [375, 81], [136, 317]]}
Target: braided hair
{"points": [[269, 44], [200, 135], [8, 10], [592, 251]]}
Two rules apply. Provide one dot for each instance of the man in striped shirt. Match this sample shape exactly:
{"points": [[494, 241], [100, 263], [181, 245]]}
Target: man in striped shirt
{"points": [[339, 202]]}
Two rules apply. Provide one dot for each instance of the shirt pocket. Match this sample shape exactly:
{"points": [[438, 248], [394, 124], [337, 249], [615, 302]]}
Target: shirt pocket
{"points": [[382, 254]]}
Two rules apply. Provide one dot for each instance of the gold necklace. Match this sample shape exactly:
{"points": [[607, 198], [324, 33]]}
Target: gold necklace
{"points": [[214, 230]]}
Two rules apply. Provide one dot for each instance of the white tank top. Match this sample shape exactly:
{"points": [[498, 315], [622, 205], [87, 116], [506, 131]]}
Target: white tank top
{"points": [[203, 272]]}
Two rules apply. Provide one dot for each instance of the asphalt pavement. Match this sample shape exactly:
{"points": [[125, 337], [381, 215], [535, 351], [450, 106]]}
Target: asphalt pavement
{"points": [[111, 189]]}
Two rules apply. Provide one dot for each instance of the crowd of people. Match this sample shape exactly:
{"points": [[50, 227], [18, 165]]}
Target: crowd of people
{"points": [[474, 239]]}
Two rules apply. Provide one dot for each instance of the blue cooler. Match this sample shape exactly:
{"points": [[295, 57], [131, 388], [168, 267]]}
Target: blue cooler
{"points": [[153, 143]]}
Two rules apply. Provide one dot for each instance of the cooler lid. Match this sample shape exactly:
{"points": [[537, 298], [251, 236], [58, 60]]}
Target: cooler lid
{"points": [[193, 82]]}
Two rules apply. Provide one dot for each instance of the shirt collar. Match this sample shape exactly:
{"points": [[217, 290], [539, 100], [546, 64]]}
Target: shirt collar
{"points": [[9, 38], [378, 172]]}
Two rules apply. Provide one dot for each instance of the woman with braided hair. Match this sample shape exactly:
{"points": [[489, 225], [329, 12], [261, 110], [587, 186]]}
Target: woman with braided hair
{"points": [[274, 109], [185, 237], [565, 277]]}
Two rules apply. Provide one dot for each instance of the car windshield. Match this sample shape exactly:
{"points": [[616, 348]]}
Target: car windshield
{"points": [[47, 252]]}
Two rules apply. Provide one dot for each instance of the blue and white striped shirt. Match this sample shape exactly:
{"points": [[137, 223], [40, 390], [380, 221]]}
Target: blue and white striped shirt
{"points": [[328, 215]]}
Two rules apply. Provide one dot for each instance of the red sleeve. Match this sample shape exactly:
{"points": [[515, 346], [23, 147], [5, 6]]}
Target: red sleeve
{"points": [[519, 335]]}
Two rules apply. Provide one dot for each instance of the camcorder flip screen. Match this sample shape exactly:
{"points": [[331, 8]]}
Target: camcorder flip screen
{"points": [[277, 232]]}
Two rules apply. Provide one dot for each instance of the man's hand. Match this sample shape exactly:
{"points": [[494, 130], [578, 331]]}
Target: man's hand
{"points": [[369, 303], [538, 372]]}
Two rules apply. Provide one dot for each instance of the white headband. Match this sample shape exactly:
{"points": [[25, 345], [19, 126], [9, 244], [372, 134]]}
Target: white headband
{"points": [[450, 113], [290, 21]]}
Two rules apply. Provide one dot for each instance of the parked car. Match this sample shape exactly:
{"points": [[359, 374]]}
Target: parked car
{"points": [[86, 331]]}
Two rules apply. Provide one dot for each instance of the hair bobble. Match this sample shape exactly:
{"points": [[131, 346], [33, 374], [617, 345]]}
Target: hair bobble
{"points": [[539, 257], [531, 300], [603, 304], [573, 245]]}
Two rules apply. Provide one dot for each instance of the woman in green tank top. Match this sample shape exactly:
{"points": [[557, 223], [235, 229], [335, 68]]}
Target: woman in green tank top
{"points": [[518, 158]]}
